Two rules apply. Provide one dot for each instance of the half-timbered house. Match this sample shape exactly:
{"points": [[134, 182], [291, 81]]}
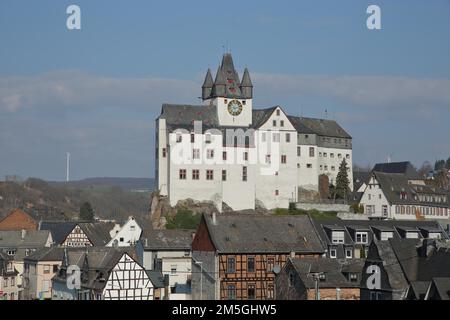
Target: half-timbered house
{"points": [[237, 256], [78, 234], [104, 274]]}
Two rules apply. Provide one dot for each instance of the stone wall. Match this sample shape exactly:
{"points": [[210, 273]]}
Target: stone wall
{"points": [[323, 206]]}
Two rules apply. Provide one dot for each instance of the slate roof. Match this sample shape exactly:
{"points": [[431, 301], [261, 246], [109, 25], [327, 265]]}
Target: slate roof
{"points": [[334, 270], [394, 184], [97, 232], [156, 278], [419, 289], [391, 264], [442, 286], [405, 168], [260, 116], [373, 226], [100, 262], [167, 239], [32, 239], [46, 254], [182, 116], [58, 229], [359, 178], [252, 233], [321, 127]]}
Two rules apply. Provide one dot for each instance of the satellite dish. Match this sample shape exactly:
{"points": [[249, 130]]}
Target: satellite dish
{"points": [[276, 269]]}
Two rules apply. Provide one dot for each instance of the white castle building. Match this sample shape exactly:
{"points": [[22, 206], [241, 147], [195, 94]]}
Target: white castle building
{"points": [[226, 151]]}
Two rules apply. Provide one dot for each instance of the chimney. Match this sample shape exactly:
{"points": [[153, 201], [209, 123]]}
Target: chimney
{"points": [[214, 218], [166, 287], [24, 233]]}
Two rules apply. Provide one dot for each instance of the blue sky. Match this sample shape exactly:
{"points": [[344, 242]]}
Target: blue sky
{"points": [[96, 92]]}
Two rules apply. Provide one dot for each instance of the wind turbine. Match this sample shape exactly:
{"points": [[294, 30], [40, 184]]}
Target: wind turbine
{"points": [[67, 166]]}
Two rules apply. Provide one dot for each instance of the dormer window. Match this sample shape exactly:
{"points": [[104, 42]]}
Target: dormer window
{"points": [[386, 235], [337, 237], [361, 237], [322, 277], [412, 235], [353, 277]]}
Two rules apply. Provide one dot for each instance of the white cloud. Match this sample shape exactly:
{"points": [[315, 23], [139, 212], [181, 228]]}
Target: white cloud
{"points": [[78, 89], [362, 91]]}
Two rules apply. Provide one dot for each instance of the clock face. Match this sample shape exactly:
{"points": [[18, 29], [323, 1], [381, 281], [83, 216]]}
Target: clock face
{"points": [[234, 107]]}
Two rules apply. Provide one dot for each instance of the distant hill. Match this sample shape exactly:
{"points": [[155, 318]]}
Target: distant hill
{"points": [[111, 198], [126, 184]]}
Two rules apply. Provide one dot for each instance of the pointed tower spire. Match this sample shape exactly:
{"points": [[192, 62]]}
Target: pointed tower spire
{"points": [[85, 268], [207, 85], [219, 84], [246, 85]]}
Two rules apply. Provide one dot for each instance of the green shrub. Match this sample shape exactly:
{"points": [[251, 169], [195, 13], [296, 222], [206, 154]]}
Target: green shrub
{"points": [[184, 219]]}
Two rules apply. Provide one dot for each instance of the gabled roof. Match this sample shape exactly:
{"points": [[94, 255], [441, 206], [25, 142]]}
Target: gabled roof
{"points": [[18, 219], [27, 239], [97, 232], [167, 239], [260, 116], [254, 233], [333, 269], [442, 286], [97, 261], [405, 168], [394, 184], [58, 229]]}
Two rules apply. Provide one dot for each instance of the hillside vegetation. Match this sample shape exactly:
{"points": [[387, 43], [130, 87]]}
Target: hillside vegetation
{"points": [[59, 201]]}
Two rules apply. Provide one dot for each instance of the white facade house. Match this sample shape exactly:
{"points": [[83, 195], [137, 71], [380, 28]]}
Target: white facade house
{"points": [[227, 152], [126, 235], [169, 252], [392, 196]]}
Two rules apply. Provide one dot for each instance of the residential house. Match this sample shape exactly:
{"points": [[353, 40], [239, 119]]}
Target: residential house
{"points": [[319, 278], [348, 239], [78, 234], [126, 235], [237, 256], [401, 269], [394, 196], [18, 220], [18, 245], [169, 252], [9, 288], [107, 273], [39, 269]]}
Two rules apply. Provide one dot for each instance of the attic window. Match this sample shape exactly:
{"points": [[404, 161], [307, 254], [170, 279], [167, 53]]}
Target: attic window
{"points": [[278, 112], [322, 277]]}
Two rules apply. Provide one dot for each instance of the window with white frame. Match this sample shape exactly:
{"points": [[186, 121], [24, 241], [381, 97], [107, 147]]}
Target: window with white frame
{"points": [[337, 237], [349, 253], [333, 253], [361, 237]]}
